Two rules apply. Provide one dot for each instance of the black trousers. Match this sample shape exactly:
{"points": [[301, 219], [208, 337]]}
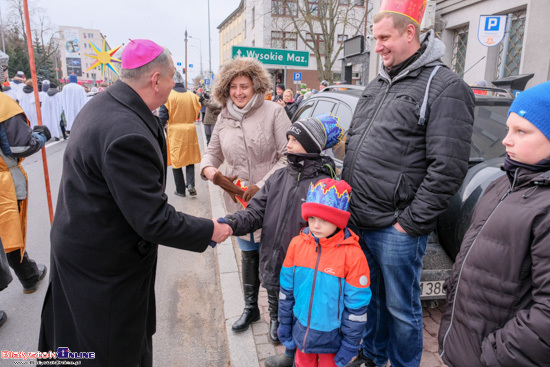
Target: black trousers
{"points": [[26, 270], [180, 181]]}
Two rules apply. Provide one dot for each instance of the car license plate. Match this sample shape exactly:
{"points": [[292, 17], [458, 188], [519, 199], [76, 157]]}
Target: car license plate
{"points": [[432, 288]]}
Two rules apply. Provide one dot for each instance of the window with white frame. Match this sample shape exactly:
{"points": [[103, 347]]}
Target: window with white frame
{"points": [[512, 56], [284, 40], [460, 46], [318, 38], [342, 38], [284, 8]]}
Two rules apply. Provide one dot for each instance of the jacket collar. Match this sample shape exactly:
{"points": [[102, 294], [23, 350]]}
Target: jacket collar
{"points": [[129, 98], [435, 49], [343, 237], [180, 88], [258, 103], [312, 164]]}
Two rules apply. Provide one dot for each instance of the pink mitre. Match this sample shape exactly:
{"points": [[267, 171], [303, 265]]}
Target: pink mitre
{"points": [[139, 52]]}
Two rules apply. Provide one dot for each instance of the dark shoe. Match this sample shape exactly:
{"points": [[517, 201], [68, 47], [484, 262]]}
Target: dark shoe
{"points": [[179, 194], [248, 316], [272, 336], [361, 361], [251, 287], [42, 270], [56, 139], [3, 317], [192, 191], [280, 360], [273, 305]]}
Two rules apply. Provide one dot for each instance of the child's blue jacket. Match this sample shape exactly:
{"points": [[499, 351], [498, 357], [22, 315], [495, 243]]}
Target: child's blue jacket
{"points": [[325, 290]]}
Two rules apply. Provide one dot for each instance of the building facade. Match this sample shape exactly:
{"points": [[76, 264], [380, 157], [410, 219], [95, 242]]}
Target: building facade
{"points": [[231, 32], [277, 24], [75, 44], [524, 49]]}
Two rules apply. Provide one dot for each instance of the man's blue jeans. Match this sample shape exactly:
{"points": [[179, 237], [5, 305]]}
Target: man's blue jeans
{"points": [[394, 315]]}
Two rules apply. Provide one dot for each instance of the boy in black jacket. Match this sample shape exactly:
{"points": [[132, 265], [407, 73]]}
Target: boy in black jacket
{"points": [[276, 207]]}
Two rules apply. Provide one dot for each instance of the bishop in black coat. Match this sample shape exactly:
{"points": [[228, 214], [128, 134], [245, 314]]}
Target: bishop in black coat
{"points": [[111, 214]]}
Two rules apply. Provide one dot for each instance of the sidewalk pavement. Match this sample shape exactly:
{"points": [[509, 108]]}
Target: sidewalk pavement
{"points": [[251, 347]]}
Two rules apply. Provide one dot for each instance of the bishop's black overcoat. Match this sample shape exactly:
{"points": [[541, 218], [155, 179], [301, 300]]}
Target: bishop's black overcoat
{"points": [[111, 214]]}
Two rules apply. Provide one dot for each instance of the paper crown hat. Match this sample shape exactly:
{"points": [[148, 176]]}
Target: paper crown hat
{"points": [[413, 9], [328, 199], [139, 52]]}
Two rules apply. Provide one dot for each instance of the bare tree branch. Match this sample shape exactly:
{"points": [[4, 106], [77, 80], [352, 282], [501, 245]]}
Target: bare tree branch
{"points": [[318, 25]]}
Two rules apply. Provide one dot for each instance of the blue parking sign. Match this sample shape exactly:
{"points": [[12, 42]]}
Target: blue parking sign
{"points": [[297, 77], [490, 31], [492, 23], [207, 81]]}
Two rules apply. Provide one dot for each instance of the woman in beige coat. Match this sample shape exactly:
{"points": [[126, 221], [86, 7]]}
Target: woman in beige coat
{"points": [[250, 137]]}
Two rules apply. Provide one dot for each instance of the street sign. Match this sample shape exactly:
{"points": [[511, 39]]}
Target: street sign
{"points": [[491, 29], [179, 64], [207, 81], [191, 66], [297, 77], [273, 56]]}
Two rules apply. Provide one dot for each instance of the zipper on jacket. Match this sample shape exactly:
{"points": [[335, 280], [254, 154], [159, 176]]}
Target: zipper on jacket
{"points": [[354, 159], [318, 247], [246, 149], [339, 295], [466, 258]]}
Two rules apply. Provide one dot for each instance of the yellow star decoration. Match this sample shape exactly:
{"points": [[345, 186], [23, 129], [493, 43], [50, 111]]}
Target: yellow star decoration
{"points": [[104, 58]]}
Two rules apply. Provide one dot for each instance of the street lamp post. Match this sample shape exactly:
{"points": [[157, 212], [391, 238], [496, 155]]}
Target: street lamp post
{"points": [[209, 46], [185, 68], [200, 50], [2, 28]]}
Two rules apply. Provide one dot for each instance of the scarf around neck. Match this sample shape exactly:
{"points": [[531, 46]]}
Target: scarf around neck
{"points": [[541, 166], [238, 113]]}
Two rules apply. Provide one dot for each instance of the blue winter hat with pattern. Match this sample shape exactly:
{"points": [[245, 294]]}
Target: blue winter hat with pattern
{"points": [[73, 78], [328, 199], [317, 133], [533, 104]]}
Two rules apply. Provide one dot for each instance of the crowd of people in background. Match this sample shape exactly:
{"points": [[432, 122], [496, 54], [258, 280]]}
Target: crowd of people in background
{"points": [[59, 104]]}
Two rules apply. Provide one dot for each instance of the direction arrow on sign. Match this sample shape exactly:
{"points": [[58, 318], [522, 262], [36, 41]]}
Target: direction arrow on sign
{"points": [[273, 56]]}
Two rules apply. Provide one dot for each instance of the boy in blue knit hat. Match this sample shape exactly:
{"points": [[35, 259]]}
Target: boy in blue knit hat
{"points": [[498, 304], [324, 282], [276, 209]]}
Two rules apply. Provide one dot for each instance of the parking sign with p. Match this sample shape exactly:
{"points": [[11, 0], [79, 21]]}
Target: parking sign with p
{"points": [[491, 29]]}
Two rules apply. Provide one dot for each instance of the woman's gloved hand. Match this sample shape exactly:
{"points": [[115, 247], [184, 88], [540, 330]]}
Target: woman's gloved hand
{"points": [[250, 192], [226, 183]]}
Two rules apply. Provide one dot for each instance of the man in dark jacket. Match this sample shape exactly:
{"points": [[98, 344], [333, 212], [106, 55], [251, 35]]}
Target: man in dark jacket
{"points": [[111, 214], [406, 156]]}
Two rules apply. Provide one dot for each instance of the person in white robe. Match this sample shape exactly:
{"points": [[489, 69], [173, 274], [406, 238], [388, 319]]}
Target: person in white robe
{"points": [[51, 110], [73, 97], [28, 103]]}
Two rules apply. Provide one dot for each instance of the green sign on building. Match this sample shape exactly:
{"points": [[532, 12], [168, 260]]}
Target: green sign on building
{"points": [[273, 56]]}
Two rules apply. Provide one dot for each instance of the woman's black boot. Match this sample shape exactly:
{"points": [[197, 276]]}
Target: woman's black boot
{"points": [[273, 302], [251, 286]]}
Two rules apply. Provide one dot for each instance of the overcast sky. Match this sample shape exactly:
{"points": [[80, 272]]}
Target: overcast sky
{"points": [[163, 21]]}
